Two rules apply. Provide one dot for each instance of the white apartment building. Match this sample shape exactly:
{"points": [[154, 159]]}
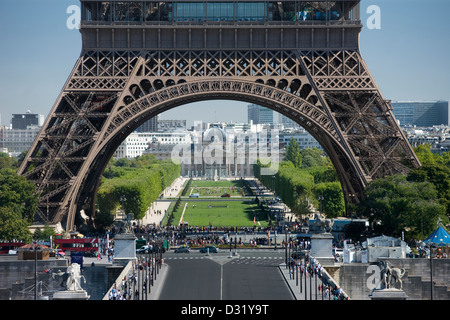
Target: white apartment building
{"points": [[17, 141], [137, 142], [303, 138]]}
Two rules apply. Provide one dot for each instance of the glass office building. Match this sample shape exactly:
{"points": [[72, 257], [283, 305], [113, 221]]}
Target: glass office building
{"points": [[259, 114], [422, 114]]}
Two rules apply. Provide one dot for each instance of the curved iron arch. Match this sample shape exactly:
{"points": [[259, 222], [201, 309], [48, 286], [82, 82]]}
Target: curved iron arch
{"points": [[129, 117]]}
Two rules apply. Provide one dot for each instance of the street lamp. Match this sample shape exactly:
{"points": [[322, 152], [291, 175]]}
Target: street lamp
{"points": [[320, 198], [122, 200]]}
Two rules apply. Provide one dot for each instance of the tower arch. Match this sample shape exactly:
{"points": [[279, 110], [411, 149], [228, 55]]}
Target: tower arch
{"points": [[306, 67]]}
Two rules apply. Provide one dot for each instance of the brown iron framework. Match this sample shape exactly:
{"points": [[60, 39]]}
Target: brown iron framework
{"points": [[322, 83]]}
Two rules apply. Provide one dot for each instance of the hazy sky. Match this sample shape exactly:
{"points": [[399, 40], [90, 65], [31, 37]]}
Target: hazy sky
{"points": [[409, 56]]}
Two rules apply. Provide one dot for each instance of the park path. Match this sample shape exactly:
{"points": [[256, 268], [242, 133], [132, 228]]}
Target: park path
{"points": [[162, 205]]}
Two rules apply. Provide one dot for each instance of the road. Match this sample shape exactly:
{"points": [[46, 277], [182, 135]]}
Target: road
{"points": [[252, 275]]}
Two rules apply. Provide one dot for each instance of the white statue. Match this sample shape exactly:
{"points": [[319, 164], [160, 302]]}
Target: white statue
{"points": [[389, 273], [73, 274]]}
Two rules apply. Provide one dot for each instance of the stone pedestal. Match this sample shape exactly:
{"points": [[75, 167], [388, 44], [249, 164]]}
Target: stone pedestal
{"points": [[388, 294], [322, 247], [124, 249], [71, 295]]}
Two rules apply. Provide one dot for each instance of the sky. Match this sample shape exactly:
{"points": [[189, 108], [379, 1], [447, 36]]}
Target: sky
{"points": [[409, 57]]}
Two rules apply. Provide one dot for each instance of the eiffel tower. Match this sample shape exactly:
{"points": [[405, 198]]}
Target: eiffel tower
{"points": [[141, 58]]}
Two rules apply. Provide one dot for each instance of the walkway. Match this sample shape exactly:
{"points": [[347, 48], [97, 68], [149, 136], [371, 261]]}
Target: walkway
{"points": [[311, 287], [133, 277], [152, 216]]}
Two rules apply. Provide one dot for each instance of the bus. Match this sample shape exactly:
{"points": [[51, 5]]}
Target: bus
{"points": [[5, 247], [85, 245]]}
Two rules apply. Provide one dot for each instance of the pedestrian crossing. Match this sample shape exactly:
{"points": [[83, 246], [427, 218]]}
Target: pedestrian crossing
{"points": [[272, 260]]}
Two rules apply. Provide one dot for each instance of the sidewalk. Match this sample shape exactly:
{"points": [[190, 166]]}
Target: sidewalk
{"points": [[155, 291], [171, 191], [301, 286], [128, 272]]}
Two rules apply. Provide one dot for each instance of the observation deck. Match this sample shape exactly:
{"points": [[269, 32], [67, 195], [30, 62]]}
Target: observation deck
{"points": [[218, 25]]}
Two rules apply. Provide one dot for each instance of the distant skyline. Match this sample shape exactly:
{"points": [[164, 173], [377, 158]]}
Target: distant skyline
{"points": [[408, 57]]}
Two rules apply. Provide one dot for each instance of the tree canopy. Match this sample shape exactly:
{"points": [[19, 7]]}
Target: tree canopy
{"points": [[299, 184], [394, 205], [140, 181], [18, 202]]}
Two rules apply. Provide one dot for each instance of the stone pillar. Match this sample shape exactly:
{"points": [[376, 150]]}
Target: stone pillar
{"points": [[124, 249], [388, 294], [322, 248]]}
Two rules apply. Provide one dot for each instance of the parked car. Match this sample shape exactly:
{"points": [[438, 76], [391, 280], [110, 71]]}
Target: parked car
{"points": [[92, 253], [181, 249], [194, 195], [213, 249], [144, 249], [226, 195]]}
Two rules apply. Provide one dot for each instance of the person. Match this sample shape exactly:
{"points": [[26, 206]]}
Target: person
{"points": [[112, 294]]}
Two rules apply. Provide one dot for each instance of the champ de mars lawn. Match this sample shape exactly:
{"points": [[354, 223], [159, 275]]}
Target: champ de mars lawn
{"points": [[211, 209], [222, 213]]}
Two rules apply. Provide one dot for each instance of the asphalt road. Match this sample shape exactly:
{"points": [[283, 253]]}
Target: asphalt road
{"points": [[247, 276]]}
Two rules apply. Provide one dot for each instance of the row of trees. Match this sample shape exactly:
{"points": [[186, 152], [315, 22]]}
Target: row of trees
{"points": [[135, 184], [17, 202], [401, 204], [302, 178], [410, 204]]}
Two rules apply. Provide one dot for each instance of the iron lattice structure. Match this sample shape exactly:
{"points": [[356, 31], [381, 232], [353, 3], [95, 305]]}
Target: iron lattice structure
{"points": [[309, 71]]}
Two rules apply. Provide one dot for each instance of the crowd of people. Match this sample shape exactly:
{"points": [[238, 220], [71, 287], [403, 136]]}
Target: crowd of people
{"points": [[308, 268], [136, 285]]}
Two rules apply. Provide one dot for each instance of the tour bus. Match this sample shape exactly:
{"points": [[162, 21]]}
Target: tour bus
{"points": [[6, 247], [84, 245]]}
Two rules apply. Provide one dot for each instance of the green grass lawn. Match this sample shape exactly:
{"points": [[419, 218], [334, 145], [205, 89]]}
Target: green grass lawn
{"points": [[221, 213], [219, 183], [217, 192], [217, 188]]}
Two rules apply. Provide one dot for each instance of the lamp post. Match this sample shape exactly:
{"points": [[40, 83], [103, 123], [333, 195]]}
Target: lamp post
{"points": [[320, 198], [285, 246], [431, 270], [122, 200], [35, 271]]}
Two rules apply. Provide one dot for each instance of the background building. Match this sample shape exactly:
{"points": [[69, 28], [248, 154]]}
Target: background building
{"points": [[23, 121], [259, 115], [150, 125], [172, 125], [422, 114]]}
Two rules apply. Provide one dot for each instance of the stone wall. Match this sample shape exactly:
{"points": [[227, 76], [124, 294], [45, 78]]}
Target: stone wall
{"points": [[356, 279], [17, 276]]}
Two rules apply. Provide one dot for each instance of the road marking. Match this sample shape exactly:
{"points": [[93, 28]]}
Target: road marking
{"points": [[221, 281]]}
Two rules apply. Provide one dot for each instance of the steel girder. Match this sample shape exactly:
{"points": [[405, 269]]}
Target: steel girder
{"points": [[111, 93]]}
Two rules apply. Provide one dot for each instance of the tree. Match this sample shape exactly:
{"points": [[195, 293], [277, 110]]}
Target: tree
{"points": [[6, 161], [293, 153], [439, 176], [395, 205], [13, 226], [140, 180], [44, 234], [313, 157], [333, 204], [17, 192]]}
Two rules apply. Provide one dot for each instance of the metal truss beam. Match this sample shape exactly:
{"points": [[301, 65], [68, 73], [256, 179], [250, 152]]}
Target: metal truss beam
{"points": [[110, 93]]}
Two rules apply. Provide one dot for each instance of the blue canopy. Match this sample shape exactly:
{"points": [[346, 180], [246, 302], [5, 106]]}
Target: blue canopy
{"points": [[439, 237]]}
